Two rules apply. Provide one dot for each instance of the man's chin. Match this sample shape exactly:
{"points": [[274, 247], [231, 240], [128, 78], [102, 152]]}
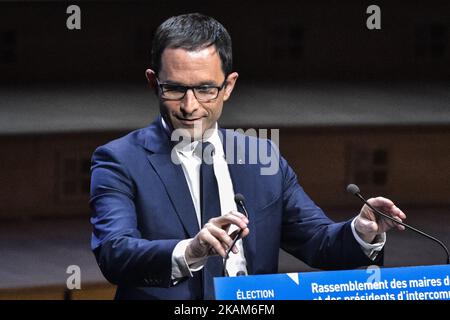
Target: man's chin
{"points": [[195, 131]]}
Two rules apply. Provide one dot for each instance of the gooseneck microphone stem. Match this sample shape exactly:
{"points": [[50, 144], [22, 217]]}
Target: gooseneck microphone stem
{"points": [[352, 188], [240, 202], [239, 199]]}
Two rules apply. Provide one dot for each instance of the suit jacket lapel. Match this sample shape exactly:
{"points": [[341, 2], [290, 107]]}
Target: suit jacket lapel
{"points": [[172, 176]]}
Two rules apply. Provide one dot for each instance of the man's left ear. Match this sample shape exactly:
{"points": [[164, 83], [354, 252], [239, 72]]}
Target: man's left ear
{"points": [[231, 81]]}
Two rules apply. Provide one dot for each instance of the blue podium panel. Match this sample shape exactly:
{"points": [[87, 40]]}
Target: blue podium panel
{"points": [[373, 283]]}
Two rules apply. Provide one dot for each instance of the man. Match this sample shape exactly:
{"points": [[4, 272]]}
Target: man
{"points": [[164, 220]]}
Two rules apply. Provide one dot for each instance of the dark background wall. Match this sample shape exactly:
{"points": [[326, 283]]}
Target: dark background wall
{"points": [[47, 175], [284, 51], [282, 40]]}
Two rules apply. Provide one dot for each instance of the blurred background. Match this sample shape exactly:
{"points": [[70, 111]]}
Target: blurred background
{"points": [[353, 105]]}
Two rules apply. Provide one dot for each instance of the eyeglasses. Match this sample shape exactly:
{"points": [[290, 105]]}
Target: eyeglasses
{"points": [[202, 93]]}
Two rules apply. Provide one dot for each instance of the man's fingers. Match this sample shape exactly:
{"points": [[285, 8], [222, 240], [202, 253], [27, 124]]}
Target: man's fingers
{"points": [[235, 218], [398, 213], [236, 214], [369, 222], [214, 236], [388, 207], [226, 241], [393, 224], [210, 244], [239, 215], [222, 238], [382, 204], [242, 234]]}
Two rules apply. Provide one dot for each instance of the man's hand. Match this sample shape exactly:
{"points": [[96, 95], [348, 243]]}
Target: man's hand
{"points": [[369, 224], [213, 238]]}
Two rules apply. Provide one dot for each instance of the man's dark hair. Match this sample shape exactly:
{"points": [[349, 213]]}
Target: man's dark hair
{"points": [[191, 32]]}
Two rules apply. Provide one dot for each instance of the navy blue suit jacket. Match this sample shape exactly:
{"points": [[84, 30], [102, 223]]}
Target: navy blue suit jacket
{"points": [[142, 207]]}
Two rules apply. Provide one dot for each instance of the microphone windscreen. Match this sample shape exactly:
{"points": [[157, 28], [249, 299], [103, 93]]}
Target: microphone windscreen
{"points": [[239, 198], [353, 189]]}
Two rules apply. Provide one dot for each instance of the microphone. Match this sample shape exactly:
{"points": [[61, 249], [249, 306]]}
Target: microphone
{"points": [[239, 199], [353, 189]]}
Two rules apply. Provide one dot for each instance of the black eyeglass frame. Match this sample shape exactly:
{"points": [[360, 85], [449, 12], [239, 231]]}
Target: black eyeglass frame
{"points": [[193, 88]]}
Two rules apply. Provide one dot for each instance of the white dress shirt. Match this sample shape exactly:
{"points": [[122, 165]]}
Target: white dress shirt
{"points": [[190, 163]]}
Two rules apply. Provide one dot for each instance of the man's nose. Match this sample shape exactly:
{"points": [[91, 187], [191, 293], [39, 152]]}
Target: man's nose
{"points": [[189, 103]]}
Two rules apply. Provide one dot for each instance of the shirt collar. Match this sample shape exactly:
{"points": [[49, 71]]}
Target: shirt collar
{"points": [[188, 149]]}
